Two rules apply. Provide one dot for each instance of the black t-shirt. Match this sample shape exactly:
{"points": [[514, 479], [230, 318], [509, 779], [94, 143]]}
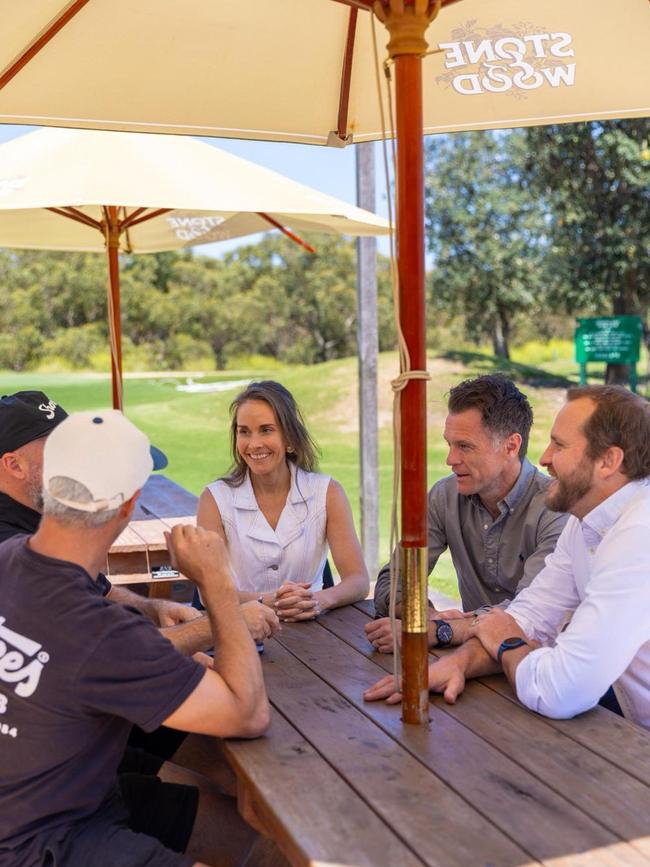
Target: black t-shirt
{"points": [[16, 519], [75, 673]]}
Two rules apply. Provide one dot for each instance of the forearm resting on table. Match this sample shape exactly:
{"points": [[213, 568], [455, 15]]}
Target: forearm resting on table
{"points": [[474, 660], [348, 590], [124, 596], [189, 638]]}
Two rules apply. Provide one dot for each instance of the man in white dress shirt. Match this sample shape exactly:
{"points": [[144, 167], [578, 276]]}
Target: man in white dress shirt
{"points": [[598, 575]]}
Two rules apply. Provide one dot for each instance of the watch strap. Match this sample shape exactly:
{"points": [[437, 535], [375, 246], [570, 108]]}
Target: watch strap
{"points": [[510, 644]]}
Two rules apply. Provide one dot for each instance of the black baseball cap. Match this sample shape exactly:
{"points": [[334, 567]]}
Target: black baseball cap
{"points": [[26, 416]]}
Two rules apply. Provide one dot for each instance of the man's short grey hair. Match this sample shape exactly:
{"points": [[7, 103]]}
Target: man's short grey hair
{"points": [[71, 490]]}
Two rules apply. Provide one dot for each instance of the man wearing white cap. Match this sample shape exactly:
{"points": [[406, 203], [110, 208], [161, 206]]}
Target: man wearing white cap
{"points": [[76, 672]]}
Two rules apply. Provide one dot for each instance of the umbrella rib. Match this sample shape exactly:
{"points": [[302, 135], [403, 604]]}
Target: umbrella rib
{"points": [[41, 41], [287, 232], [77, 216], [130, 222], [129, 218], [346, 76]]}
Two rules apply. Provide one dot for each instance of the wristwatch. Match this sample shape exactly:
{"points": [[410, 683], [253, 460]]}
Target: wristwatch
{"points": [[510, 644], [444, 633]]}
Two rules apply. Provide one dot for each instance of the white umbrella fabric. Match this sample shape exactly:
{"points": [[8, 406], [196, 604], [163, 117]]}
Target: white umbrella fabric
{"points": [[303, 70]]}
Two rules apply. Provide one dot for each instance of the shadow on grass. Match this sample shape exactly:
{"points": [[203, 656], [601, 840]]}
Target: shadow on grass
{"points": [[535, 376]]}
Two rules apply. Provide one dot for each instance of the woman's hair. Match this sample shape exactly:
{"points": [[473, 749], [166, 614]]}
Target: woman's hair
{"points": [[301, 447]]}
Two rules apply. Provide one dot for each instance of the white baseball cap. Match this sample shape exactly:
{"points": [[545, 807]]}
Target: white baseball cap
{"points": [[103, 451]]}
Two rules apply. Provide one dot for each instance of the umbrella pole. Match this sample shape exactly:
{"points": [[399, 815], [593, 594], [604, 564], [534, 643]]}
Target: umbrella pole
{"points": [[112, 232], [407, 25]]}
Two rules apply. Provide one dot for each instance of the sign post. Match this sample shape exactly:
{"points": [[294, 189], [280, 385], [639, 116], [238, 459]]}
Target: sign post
{"points": [[614, 339]]}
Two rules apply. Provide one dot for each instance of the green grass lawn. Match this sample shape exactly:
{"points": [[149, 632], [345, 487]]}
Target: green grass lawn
{"points": [[193, 428]]}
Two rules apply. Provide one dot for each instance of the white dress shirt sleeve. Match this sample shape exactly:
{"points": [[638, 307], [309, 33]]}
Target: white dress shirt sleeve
{"points": [[607, 629], [541, 608]]}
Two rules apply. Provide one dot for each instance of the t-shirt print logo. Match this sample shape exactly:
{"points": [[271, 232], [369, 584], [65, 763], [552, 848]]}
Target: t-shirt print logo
{"points": [[48, 408], [22, 662]]}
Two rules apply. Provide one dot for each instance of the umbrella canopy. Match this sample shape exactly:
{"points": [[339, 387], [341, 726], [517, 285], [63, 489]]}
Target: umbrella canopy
{"points": [[89, 190], [303, 70], [201, 194]]}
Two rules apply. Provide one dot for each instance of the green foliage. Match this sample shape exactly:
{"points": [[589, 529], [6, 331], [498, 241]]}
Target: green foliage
{"points": [[595, 178], [485, 230], [270, 299]]}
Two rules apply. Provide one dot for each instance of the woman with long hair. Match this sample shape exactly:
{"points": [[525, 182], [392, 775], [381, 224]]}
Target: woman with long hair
{"points": [[278, 515]]}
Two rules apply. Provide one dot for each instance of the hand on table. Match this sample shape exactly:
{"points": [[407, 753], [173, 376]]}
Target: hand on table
{"points": [[379, 634], [446, 676], [296, 602], [261, 620]]}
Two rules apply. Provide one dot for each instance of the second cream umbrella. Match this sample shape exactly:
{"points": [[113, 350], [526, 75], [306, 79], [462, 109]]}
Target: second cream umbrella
{"points": [[89, 190]]}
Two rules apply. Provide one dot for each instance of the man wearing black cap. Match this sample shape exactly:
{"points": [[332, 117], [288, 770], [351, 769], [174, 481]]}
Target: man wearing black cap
{"points": [[26, 420]]}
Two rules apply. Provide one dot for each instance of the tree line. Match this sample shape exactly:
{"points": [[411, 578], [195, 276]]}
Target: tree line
{"points": [[528, 226], [523, 228]]}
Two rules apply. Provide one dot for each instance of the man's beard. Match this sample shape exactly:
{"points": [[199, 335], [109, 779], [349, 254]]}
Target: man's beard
{"points": [[572, 488], [35, 490]]}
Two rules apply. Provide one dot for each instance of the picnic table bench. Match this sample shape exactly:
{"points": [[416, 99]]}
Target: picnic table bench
{"points": [[141, 546], [339, 781]]}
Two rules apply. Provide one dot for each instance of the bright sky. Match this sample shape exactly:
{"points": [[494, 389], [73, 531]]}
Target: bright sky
{"points": [[330, 170]]}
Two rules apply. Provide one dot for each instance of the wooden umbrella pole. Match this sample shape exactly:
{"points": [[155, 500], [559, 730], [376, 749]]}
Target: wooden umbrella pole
{"points": [[112, 233], [407, 25]]}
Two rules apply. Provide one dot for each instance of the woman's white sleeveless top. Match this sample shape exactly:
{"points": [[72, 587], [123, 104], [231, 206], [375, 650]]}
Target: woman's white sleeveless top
{"points": [[262, 558]]}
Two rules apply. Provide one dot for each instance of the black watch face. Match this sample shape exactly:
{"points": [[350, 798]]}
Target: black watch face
{"points": [[444, 633]]}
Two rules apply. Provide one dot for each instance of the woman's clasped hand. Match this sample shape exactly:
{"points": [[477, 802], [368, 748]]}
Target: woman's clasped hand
{"points": [[296, 602]]}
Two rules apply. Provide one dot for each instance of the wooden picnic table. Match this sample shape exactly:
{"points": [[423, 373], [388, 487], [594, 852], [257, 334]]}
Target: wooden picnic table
{"points": [[141, 547], [337, 781]]}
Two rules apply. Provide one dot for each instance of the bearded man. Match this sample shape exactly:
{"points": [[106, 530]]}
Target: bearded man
{"points": [[599, 575]]}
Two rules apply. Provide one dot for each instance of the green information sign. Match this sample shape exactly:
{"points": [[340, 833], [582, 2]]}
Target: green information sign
{"points": [[614, 339]]}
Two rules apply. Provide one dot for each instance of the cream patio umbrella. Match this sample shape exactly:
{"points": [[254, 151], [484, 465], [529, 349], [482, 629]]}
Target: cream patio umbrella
{"points": [[89, 190], [304, 70]]}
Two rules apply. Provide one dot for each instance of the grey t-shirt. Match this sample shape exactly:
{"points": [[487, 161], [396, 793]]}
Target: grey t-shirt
{"points": [[494, 558], [75, 673]]}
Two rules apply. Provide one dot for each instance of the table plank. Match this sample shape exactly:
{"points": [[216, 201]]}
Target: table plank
{"points": [[492, 783], [311, 813], [128, 541], [152, 532], [616, 800], [438, 825], [617, 740]]}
